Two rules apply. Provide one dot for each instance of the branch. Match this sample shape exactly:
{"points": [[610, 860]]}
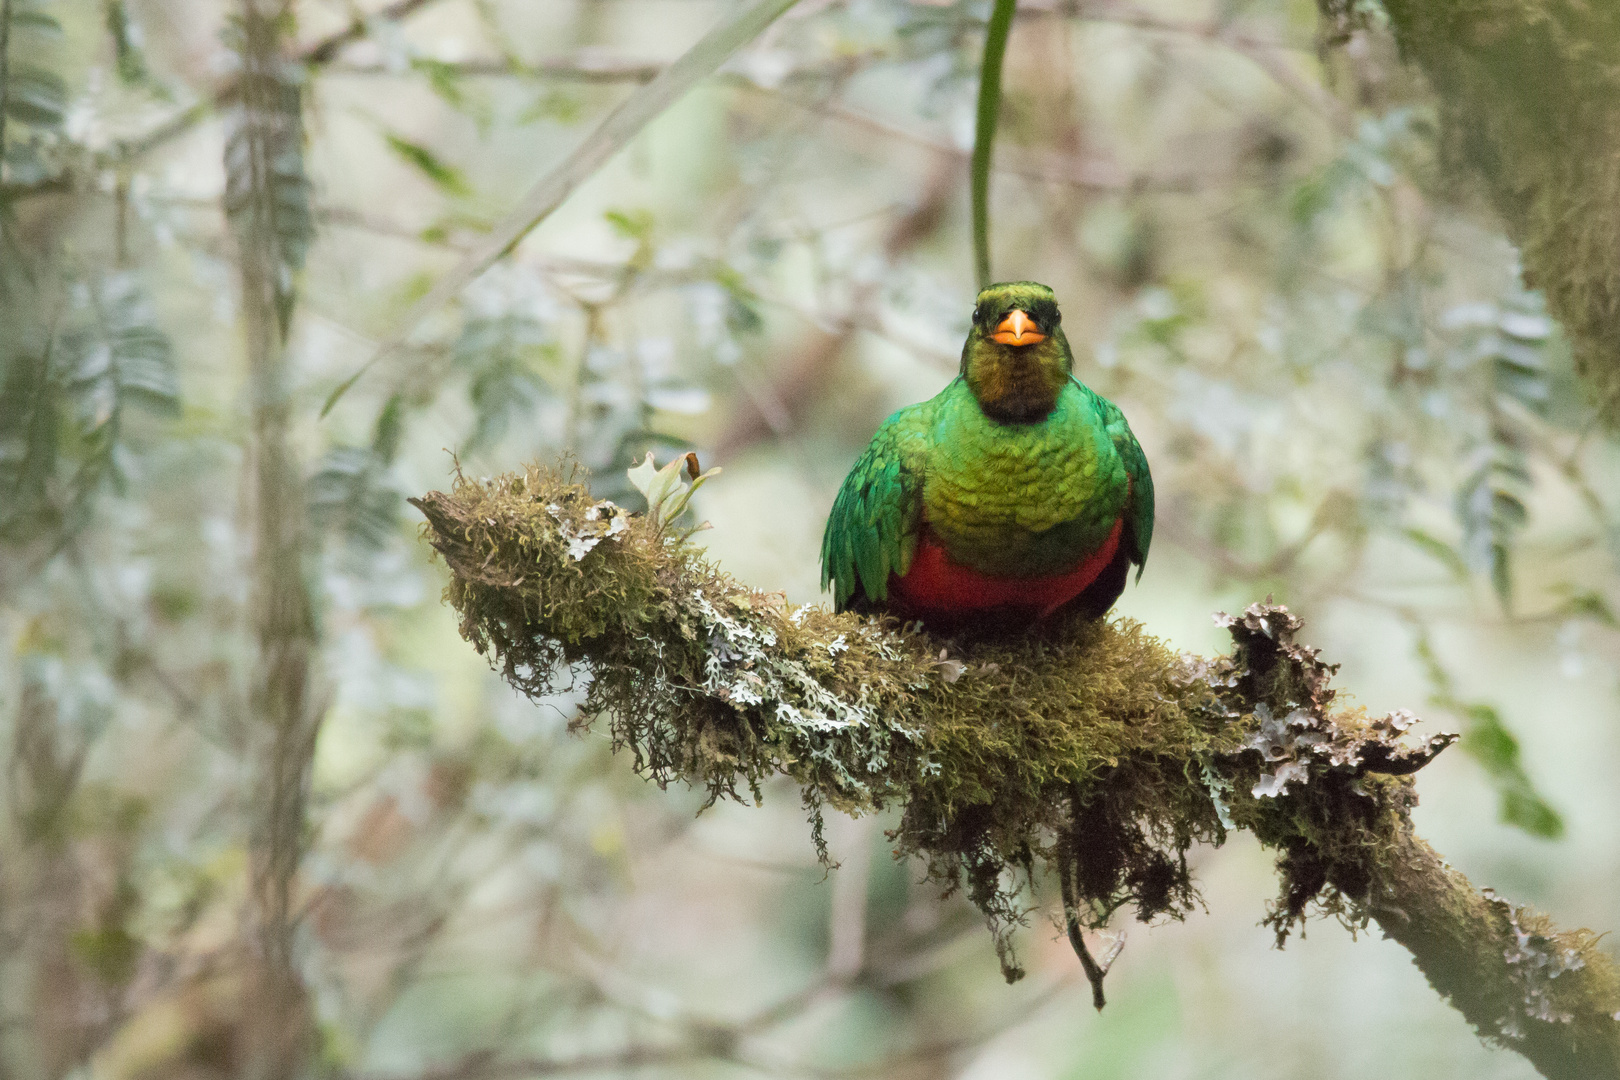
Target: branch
{"points": [[327, 48], [1516, 979], [1080, 172], [1529, 99], [643, 106], [774, 409], [582, 70], [315, 54], [266, 202], [1088, 752], [484, 1067], [1266, 53]]}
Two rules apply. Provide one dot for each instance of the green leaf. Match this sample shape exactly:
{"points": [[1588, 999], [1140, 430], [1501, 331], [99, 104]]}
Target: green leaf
{"points": [[112, 952], [666, 493], [503, 356], [1527, 810], [279, 131], [126, 35], [62, 414], [631, 224], [33, 19], [445, 176], [390, 427], [35, 96], [1488, 741], [660, 487], [30, 422], [347, 495], [1590, 605], [1502, 575], [557, 105], [446, 81], [121, 357], [1491, 508], [1518, 367], [1440, 551]]}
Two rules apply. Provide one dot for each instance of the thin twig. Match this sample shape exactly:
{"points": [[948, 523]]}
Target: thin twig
{"points": [[567, 70], [315, 54], [5, 77], [481, 1067], [1140, 19], [1262, 52], [1087, 172], [1094, 973], [321, 51], [1591, 425], [1071, 922], [623, 124], [776, 405]]}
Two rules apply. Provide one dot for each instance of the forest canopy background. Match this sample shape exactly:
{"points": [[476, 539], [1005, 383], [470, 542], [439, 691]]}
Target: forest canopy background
{"points": [[1267, 254]]}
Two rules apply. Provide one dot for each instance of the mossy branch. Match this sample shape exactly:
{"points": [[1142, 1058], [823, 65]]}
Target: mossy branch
{"points": [[1091, 753], [1530, 94]]}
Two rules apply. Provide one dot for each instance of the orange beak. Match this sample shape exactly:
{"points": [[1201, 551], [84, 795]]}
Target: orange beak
{"points": [[1017, 329]]}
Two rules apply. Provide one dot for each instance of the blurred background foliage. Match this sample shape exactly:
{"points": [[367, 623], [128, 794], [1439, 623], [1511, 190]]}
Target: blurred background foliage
{"points": [[1348, 400]]}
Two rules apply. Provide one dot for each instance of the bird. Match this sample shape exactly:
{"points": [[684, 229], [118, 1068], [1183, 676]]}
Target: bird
{"points": [[1014, 494]]}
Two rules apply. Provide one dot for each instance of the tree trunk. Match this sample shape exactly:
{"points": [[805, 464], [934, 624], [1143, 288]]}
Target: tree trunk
{"points": [[275, 1025]]}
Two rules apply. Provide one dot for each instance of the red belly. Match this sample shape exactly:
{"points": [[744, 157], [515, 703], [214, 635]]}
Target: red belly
{"points": [[937, 586]]}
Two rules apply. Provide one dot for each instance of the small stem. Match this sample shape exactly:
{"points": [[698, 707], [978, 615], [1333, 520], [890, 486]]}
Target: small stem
{"points": [[1094, 973], [576, 390], [1071, 920], [984, 135], [121, 226], [5, 78]]}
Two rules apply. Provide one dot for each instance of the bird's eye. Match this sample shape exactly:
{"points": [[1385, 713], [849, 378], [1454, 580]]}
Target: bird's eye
{"points": [[978, 314]]}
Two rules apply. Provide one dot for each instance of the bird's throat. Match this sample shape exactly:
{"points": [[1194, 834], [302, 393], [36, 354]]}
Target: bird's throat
{"points": [[1015, 385]]}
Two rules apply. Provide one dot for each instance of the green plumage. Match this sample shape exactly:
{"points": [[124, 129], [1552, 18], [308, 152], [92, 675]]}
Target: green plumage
{"points": [[1018, 469]]}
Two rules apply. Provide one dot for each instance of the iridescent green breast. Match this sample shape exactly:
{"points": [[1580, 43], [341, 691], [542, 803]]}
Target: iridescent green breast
{"points": [[1021, 500]]}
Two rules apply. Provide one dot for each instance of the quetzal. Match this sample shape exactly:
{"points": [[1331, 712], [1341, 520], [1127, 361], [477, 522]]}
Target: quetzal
{"points": [[1016, 492]]}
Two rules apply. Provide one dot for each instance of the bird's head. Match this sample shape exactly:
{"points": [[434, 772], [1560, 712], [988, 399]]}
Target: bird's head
{"points": [[1016, 359]]}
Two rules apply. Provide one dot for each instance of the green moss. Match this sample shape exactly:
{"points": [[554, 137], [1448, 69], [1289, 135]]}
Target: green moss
{"points": [[1531, 99], [996, 750], [1089, 752]]}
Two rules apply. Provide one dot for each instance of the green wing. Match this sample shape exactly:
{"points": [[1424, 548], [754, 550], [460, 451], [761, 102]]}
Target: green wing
{"points": [[872, 530], [1139, 512]]}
